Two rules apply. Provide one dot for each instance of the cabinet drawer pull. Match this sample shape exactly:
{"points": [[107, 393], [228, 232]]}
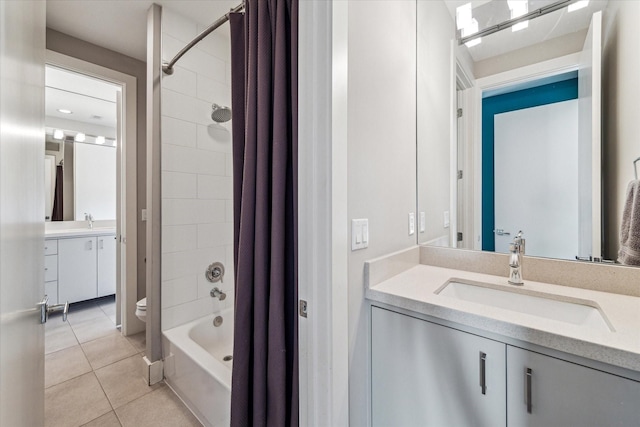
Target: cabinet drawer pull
{"points": [[527, 375], [90, 245], [483, 369]]}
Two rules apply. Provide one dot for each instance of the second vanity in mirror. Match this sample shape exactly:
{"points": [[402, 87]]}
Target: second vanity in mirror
{"points": [[525, 128]]}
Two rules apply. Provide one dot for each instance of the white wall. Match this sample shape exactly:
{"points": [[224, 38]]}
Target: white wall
{"points": [[94, 181], [436, 30], [539, 52], [381, 158], [197, 210], [621, 127]]}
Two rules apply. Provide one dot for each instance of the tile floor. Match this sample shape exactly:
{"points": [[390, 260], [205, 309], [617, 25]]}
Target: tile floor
{"points": [[93, 375]]}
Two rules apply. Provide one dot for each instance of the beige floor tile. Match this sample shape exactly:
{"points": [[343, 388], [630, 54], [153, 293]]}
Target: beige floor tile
{"points": [[139, 341], [107, 350], [92, 329], [64, 365], [81, 312], [156, 409], [123, 381], [75, 402], [59, 338], [107, 420], [54, 321]]}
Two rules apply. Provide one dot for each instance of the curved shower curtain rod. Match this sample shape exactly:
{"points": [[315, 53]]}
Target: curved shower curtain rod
{"points": [[168, 67]]}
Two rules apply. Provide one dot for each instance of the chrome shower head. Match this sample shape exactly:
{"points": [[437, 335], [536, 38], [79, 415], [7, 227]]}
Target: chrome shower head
{"points": [[220, 114]]}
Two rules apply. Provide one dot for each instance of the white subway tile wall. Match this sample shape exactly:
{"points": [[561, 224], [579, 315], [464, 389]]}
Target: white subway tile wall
{"points": [[197, 188]]}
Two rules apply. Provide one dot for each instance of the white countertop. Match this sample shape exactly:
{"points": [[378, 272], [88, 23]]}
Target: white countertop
{"points": [[413, 289], [79, 232]]}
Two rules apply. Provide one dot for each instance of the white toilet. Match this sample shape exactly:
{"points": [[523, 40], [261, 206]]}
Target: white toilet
{"points": [[141, 309]]}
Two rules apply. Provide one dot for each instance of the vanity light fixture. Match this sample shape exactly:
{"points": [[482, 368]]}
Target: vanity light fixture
{"points": [[80, 137], [577, 5], [65, 111], [518, 8], [58, 134], [469, 38], [463, 16], [470, 30], [100, 140]]}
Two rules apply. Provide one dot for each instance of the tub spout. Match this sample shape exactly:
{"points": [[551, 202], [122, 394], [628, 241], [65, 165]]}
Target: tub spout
{"points": [[217, 293]]}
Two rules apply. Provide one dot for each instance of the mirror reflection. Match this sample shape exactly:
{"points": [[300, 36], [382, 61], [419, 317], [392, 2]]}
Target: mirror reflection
{"points": [[80, 152], [525, 124]]}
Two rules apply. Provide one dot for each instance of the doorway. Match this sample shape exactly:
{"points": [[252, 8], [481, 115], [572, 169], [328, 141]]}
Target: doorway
{"points": [[102, 166]]}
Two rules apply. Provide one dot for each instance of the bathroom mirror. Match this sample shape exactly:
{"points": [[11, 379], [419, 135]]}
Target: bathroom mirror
{"points": [[514, 132], [80, 152]]}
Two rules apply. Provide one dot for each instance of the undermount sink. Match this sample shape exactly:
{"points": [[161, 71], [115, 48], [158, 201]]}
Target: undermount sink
{"points": [[569, 310]]}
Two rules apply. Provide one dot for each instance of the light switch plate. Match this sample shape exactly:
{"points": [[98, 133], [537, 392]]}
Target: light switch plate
{"points": [[447, 219], [359, 234], [144, 215], [412, 223], [423, 222]]}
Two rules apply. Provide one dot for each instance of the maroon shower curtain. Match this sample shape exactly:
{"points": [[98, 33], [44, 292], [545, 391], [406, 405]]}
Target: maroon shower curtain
{"points": [[264, 45]]}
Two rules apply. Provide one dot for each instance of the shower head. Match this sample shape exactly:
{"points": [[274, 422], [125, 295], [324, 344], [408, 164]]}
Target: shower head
{"points": [[220, 114]]}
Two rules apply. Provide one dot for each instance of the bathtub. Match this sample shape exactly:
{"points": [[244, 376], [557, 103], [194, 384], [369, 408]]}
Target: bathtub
{"points": [[198, 369]]}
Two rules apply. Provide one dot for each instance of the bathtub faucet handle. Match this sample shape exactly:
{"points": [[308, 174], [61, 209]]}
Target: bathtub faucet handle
{"points": [[215, 272], [217, 293]]}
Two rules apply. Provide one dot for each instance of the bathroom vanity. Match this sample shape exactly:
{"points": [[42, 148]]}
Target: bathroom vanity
{"points": [[80, 264], [453, 347]]}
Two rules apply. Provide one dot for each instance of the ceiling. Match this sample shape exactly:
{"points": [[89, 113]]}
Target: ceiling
{"points": [[120, 25], [543, 28], [91, 102]]}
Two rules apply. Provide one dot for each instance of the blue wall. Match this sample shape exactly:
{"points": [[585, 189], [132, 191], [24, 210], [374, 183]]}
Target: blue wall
{"points": [[527, 98]]}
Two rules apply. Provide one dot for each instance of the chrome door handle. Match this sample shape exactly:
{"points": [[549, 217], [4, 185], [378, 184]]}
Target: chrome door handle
{"points": [[501, 232], [46, 309], [42, 306]]}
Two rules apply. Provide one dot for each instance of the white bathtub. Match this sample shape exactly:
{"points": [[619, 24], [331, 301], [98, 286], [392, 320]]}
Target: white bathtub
{"points": [[195, 369]]}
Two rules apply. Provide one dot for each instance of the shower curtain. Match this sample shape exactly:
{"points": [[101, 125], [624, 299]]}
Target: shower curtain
{"points": [[264, 63], [57, 214]]}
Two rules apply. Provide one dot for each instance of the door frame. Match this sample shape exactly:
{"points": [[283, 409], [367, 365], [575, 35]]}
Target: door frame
{"points": [[126, 199], [541, 70]]}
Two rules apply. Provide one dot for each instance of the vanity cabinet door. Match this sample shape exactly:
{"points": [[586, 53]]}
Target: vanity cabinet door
{"points": [[77, 269], [561, 393], [425, 374], [106, 265]]}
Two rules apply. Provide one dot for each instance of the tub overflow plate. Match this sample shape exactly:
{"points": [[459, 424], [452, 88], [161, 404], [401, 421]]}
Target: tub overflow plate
{"points": [[215, 272]]}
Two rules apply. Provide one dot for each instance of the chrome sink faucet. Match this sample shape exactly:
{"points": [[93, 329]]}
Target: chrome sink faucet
{"points": [[89, 218], [516, 250]]}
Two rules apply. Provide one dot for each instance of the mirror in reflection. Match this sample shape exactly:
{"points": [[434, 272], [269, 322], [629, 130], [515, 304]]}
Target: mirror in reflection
{"points": [[525, 122], [81, 116]]}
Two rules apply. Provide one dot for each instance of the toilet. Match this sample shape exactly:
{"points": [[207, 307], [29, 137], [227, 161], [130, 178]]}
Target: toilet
{"points": [[141, 309]]}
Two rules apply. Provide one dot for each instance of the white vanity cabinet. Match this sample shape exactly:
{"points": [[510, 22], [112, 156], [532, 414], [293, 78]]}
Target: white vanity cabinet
{"points": [[77, 269], [545, 391], [80, 268], [51, 270], [106, 265], [425, 374]]}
